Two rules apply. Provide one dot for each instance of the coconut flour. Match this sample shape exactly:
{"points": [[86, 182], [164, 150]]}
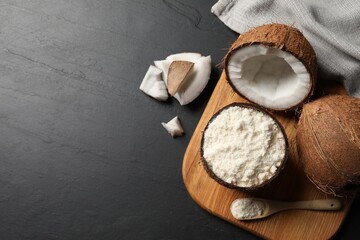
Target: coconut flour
{"points": [[247, 208], [243, 146]]}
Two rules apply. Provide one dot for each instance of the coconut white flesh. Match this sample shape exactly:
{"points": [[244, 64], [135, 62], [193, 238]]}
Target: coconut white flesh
{"points": [[189, 56], [153, 85], [269, 77], [195, 81], [173, 127], [163, 65]]}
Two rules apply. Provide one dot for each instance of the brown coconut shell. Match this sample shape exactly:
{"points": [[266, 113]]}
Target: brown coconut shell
{"points": [[232, 186], [328, 143], [285, 38]]}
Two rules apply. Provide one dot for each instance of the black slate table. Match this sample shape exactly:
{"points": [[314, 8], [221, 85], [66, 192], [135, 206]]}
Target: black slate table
{"points": [[82, 152]]}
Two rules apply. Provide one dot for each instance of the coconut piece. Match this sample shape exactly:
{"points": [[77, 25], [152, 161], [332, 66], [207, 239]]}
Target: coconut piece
{"points": [[328, 143], [195, 81], [273, 66], [188, 56], [153, 85], [163, 65], [243, 147], [173, 127], [178, 70], [198, 78]]}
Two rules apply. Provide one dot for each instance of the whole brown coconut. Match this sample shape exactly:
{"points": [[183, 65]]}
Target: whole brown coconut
{"points": [[328, 143]]}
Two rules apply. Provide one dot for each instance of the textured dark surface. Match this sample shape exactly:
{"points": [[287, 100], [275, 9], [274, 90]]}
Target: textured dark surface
{"points": [[82, 151]]}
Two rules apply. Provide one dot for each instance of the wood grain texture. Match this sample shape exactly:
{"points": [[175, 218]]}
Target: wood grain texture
{"points": [[290, 185]]}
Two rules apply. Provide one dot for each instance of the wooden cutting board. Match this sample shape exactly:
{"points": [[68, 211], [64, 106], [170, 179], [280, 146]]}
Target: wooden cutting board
{"points": [[290, 185]]}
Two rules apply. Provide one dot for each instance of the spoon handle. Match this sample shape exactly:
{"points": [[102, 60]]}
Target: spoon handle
{"points": [[324, 204]]}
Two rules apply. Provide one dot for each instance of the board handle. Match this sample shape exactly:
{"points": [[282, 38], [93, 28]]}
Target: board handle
{"points": [[323, 204]]}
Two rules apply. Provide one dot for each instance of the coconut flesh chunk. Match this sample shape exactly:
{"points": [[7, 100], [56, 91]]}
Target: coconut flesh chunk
{"points": [[184, 56], [269, 77], [199, 76], [153, 85], [195, 81], [165, 64], [273, 66], [173, 127]]}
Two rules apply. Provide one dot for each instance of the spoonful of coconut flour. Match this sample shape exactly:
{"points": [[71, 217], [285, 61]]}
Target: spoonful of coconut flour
{"points": [[256, 208]]}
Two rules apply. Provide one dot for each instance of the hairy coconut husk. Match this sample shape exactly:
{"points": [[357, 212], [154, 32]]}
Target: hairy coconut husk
{"points": [[285, 38], [328, 143], [232, 186]]}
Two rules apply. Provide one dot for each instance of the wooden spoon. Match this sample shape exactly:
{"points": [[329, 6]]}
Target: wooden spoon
{"points": [[256, 208]]}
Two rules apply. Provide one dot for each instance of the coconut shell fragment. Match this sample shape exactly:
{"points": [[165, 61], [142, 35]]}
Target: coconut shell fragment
{"points": [[178, 71], [273, 66], [328, 143]]}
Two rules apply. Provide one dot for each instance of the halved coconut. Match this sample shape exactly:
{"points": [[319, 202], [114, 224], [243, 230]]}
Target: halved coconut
{"points": [[243, 147], [273, 66]]}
